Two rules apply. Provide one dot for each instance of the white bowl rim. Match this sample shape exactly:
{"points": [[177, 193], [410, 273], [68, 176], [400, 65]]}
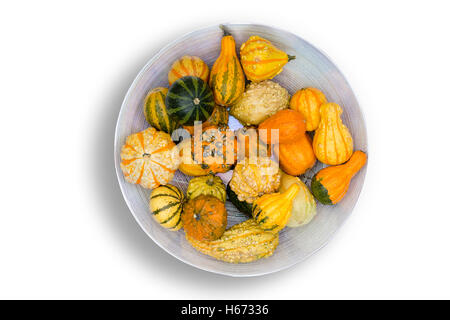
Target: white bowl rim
{"points": [[119, 171]]}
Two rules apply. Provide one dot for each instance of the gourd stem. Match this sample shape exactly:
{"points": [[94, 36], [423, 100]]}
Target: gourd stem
{"points": [[225, 31], [210, 181], [290, 58]]}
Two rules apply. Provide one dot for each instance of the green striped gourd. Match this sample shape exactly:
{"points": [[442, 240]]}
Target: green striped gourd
{"points": [[227, 79], [188, 66], [155, 111], [166, 204], [189, 99], [207, 185]]}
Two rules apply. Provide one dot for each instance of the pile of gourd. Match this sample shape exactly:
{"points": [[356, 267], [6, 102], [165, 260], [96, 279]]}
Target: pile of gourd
{"points": [[272, 197]]}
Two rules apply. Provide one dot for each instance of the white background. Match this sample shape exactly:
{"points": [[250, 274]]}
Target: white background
{"points": [[65, 230]]}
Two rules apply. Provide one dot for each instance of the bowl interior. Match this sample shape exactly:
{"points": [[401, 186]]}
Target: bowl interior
{"points": [[311, 68]]}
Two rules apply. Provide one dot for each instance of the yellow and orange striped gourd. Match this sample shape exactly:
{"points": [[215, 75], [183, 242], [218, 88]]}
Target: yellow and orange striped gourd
{"points": [[155, 111], [333, 143], [149, 158], [188, 66], [307, 101], [261, 60], [227, 79]]}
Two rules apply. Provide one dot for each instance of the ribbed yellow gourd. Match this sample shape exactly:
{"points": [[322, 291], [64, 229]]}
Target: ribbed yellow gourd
{"points": [[261, 60], [333, 143], [188, 66]]}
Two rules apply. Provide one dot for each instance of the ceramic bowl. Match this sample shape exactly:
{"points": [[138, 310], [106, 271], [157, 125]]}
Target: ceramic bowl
{"points": [[311, 68]]}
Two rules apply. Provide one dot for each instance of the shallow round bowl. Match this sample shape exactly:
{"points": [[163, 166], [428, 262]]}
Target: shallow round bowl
{"points": [[311, 68]]}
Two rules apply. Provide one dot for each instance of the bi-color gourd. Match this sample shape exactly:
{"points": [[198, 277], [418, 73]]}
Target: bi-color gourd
{"points": [[149, 158], [166, 204], [330, 184], [209, 185], [155, 111], [261, 60], [188, 66], [227, 79], [272, 211]]}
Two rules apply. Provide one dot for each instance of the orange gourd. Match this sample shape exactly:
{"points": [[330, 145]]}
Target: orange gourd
{"points": [[330, 184], [333, 143], [290, 125], [307, 101], [296, 157], [249, 144], [218, 149], [187, 165], [188, 66], [149, 158], [204, 218], [227, 79]]}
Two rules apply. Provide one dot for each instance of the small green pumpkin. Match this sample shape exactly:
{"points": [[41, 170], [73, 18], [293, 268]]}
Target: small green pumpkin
{"points": [[189, 99], [155, 111], [242, 206], [166, 204], [209, 185]]}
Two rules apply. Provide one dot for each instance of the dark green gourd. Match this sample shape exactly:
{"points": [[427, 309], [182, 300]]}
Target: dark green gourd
{"points": [[189, 99], [242, 206]]}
